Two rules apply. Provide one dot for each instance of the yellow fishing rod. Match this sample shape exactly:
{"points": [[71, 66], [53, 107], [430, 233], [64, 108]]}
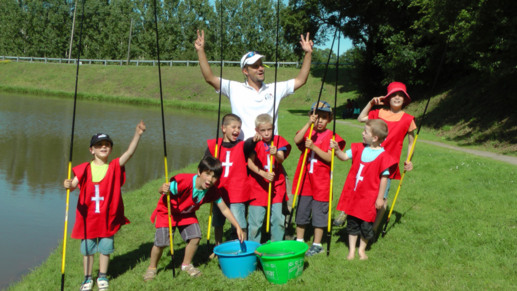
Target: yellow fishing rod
{"points": [[65, 230]]}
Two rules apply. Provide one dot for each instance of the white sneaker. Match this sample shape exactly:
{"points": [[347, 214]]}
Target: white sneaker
{"points": [[102, 283], [87, 285]]}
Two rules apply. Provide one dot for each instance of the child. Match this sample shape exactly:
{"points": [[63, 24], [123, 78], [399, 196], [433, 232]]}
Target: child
{"points": [[315, 181], [365, 184], [189, 192], [100, 210], [399, 123], [232, 185], [258, 149]]}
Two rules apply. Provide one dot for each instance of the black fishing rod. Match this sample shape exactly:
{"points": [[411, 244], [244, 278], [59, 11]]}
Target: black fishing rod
{"points": [[63, 259]]}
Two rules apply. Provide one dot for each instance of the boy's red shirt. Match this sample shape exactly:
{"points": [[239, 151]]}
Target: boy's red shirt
{"points": [[316, 175], [183, 207], [259, 186], [362, 184], [100, 209], [232, 185], [394, 142]]}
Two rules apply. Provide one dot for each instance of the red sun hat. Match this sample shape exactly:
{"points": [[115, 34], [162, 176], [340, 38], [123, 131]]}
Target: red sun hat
{"points": [[398, 87]]}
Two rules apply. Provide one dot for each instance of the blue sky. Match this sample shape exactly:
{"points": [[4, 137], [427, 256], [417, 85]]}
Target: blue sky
{"points": [[345, 44]]}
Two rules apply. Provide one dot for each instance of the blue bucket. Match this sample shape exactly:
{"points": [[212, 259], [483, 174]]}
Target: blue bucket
{"points": [[236, 260]]}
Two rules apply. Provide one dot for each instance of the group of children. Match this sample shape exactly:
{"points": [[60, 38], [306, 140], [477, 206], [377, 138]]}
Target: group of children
{"points": [[236, 176]]}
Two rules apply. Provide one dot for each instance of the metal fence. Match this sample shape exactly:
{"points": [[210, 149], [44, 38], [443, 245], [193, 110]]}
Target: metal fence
{"points": [[130, 63]]}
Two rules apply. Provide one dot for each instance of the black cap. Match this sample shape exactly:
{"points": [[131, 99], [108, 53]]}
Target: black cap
{"points": [[100, 137]]}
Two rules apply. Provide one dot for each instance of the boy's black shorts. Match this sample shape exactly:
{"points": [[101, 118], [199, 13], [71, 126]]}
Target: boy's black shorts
{"points": [[356, 226]]}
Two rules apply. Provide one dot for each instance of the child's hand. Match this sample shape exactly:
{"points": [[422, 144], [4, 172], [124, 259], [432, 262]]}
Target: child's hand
{"points": [[268, 175], [240, 234], [309, 144], [377, 101], [164, 189], [140, 127], [67, 183], [272, 150], [313, 118], [379, 203], [408, 166], [334, 145], [257, 137]]}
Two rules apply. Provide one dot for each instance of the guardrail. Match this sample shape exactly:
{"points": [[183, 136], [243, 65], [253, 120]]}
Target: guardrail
{"points": [[131, 62]]}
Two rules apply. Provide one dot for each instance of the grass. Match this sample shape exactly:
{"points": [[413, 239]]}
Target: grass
{"points": [[453, 227]]}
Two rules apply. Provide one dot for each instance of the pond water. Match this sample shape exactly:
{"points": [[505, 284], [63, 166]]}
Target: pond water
{"points": [[34, 152]]}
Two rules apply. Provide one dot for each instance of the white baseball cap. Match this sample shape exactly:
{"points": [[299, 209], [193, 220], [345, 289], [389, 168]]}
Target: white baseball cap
{"points": [[250, 58]]}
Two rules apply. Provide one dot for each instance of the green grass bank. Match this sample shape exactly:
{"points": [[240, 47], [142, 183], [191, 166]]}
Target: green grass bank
{"points": [[453, 226]]}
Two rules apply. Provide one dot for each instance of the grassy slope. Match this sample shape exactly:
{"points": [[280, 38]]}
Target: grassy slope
{"points": [[453, 226]]}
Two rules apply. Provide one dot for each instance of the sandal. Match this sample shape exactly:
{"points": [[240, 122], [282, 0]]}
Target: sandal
{"points": [[191, 270], [149, 274]]}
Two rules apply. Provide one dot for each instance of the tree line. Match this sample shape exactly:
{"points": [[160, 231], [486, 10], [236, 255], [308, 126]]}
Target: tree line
{"points": [[393, 40]]}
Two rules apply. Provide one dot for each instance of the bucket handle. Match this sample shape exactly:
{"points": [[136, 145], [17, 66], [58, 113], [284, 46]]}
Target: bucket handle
{"points": [[273, 255]]}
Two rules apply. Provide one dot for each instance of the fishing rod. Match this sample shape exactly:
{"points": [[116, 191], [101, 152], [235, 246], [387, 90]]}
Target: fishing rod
{"points": [[302, 167], [410, 156], [271, 158], [216, 151], [171, 238], [329, 224], [65, 231]]}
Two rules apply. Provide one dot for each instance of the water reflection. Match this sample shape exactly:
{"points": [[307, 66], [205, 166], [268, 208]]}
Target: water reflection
{"points": [[34, 152]]}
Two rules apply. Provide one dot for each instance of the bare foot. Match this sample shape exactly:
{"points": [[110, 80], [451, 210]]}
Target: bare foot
{"points": [[212, 256], [363, 257], [350, 256]]}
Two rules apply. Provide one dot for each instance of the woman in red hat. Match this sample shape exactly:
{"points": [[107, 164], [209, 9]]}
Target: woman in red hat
{"points": [[399, 123]]}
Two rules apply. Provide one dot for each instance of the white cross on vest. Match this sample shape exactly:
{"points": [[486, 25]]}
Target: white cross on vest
{"points": [[358, 177], [227, 164], [312, 161], [266, 167], [97, 199]]}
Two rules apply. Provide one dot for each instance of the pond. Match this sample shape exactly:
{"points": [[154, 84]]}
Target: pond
{"points": [[34, 152]]}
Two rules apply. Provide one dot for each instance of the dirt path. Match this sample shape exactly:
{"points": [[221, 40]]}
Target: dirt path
{"points": [[494, 156]]}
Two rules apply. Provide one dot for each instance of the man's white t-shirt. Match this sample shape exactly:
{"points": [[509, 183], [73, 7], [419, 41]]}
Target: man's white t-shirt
{"points": [[247, 103]]}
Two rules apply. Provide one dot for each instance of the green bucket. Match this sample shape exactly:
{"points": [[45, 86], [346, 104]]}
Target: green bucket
{"points": [[282, 260]]}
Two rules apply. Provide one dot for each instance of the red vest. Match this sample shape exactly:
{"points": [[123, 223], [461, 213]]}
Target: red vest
{"points": [[183, 207], [100, 210], [232, 184], [397, 130], [259, 187], [362, 184], [316, 175]]}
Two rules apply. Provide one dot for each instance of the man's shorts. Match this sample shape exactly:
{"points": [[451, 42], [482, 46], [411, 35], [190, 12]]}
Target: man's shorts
{"points": [[359, 227], [187, 232], [307, 207], [103, 245]]}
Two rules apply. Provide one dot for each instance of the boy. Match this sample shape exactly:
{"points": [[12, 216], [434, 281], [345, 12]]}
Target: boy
{"points": [[365, 184], [258, 149], [399, 124], [315, 181], [232, 186], [189, 192], [100, 209]]}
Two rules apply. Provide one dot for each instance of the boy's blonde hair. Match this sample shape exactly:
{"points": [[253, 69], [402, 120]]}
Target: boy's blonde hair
{"points": [[379, 128], [263, 118], [228, 118]]}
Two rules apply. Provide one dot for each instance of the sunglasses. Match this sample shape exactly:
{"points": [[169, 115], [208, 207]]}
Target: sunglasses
{"points": [[251, 54]]}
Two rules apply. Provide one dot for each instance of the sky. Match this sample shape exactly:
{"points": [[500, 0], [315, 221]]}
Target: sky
{"points": [[345, 44]]}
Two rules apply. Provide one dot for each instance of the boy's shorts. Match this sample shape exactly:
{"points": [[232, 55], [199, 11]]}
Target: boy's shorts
{"points": [[187, 232], [238, 210], [318, 209], [103, 245], [357, 226]]}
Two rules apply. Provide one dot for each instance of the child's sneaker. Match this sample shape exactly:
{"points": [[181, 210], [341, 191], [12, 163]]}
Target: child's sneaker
{"points": [[102, 283], [314, 250], [87, 285], [191, 270]]}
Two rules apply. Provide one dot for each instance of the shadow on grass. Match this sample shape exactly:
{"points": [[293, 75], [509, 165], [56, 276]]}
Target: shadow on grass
{"points": [[123, 263]]}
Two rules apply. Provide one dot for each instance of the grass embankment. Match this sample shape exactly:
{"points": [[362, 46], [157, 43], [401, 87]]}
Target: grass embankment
{"points": [[453, 227]]}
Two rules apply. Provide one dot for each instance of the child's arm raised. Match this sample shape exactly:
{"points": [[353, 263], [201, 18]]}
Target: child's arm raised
{"points": [[124, 158], [298, 138], [228, 214], [363, 116], [71, 183], [337, 151]]}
